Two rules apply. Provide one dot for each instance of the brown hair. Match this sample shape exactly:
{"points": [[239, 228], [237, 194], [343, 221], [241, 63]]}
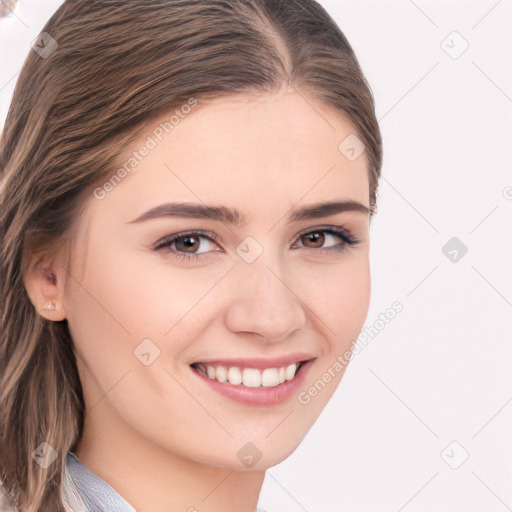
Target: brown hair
{"points": [[117, 65]]}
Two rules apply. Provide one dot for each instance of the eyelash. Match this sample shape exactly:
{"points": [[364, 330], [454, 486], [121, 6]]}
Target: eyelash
{"points": [[348, 240]]}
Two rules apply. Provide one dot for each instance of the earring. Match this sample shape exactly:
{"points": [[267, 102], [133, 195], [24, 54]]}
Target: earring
{"points": [[49, 306]]}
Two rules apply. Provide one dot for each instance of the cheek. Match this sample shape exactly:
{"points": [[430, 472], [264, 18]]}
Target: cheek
{"points": [[156, 294], [354, 300], [340, 302], [130, 297], [340, 299]]}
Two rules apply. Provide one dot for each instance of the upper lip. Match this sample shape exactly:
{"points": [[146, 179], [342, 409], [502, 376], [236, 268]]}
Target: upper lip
{"points": [[258, 362]]}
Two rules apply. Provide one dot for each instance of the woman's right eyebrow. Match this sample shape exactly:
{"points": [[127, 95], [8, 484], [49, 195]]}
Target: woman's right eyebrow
{"points": [[237, 218]]}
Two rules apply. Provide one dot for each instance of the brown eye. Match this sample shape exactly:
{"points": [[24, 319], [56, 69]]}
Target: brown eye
{"points": [[190, 246], [187, 243], [317, 239], [327, 240]]}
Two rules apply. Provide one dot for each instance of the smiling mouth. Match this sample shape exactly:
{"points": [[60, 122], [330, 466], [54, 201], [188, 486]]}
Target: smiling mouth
{"points": [[249, 377]]}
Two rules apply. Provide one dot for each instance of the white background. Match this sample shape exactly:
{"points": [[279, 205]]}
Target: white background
{"points": [[441, 370]]}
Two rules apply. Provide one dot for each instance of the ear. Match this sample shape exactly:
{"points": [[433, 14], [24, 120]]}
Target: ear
{"points": [[44, 281]]}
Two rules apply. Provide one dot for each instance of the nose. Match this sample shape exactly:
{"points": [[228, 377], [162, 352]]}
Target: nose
{"points": [[264, 302]]}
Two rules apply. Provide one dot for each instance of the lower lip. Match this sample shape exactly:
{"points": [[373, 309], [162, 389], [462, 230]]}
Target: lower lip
{"points": [[262, 395]]}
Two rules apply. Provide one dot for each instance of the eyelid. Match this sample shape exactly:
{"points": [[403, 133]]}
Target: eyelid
{"points": [[328, 227]]}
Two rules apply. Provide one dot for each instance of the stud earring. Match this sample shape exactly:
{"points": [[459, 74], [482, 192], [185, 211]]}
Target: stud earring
{"points": [[49, 306]]}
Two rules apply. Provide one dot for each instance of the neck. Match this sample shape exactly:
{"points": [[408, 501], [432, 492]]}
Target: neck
{"points": [[152, 479]]}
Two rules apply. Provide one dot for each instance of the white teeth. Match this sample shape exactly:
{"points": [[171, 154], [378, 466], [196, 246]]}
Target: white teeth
{"points": [[250, 377], [220, 373], [234, 376], [270, 377], [289, 371]]}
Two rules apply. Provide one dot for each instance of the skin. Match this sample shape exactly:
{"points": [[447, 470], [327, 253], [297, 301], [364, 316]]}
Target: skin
{"points": [[157, 434]]}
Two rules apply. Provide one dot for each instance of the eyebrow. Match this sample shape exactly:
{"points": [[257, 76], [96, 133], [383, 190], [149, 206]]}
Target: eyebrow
{"points": [[237, 218]]}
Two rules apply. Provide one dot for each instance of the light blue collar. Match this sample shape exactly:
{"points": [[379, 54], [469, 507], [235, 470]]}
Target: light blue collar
{"points": [[83, 491]]}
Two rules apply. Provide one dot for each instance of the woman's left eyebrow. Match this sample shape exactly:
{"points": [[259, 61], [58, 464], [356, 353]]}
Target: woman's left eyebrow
{"points": [[236, 217]]}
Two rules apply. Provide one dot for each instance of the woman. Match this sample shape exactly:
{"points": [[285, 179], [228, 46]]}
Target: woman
{"points": [[185, 202]]}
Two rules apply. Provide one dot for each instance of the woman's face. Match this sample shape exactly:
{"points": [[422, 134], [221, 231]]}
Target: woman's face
{"points": [[253, 296]]}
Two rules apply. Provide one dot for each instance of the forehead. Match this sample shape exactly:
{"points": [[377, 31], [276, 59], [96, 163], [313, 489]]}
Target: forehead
{"points": [[260, 153]]}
